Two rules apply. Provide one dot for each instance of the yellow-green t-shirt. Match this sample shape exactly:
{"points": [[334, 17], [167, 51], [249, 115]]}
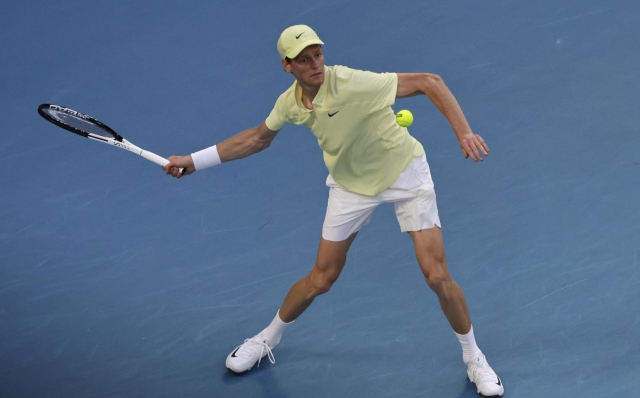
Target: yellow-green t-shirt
{"points": [[363, 147]]}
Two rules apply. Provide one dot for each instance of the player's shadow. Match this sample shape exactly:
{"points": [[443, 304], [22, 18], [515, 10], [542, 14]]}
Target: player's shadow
{"points": [[469, 391], [262, 375]]}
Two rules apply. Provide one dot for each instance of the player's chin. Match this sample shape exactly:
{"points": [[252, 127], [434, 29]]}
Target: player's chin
{"points": [[317, 78]]}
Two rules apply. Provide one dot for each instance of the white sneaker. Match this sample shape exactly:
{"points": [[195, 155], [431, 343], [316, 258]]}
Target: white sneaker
{"points": [[246, 355], [487, 381]]}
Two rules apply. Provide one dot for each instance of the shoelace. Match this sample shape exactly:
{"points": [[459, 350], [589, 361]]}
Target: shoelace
{"points": [[482, 371], [252, 345]]}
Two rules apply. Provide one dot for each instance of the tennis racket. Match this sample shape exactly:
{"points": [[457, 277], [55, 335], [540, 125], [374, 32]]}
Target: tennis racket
{"points": [[91, 128]]}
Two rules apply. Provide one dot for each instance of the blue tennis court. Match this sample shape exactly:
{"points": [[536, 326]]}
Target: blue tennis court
{"points": [[118, 281]]}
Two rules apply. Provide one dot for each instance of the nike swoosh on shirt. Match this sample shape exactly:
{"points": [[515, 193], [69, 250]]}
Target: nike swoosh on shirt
{"points": [[333, 114]]}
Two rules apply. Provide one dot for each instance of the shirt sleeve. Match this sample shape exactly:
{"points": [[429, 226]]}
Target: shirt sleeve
{"points": [[278, 117], [378, 90]]}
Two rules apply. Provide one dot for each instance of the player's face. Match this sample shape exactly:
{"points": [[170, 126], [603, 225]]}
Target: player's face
{"points": [[308, 66]]}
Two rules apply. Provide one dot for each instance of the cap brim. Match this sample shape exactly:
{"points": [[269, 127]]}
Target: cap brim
{"points": [[298, 49]]}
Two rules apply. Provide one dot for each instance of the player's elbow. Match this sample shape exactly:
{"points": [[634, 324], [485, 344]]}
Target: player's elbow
{"points": [[259, 142], [431, 81], [434, 88], [260, 145]]}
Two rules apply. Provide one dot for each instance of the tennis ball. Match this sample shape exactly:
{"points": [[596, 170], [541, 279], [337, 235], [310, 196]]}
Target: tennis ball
{"points": [[404, 118]]}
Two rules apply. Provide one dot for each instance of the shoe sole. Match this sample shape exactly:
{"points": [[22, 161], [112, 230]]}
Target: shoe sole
{"points": [[486, 396], [489, 396], [238, 373]]}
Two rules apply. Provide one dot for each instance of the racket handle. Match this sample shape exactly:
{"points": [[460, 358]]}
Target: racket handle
{"points": [[156, 159]]}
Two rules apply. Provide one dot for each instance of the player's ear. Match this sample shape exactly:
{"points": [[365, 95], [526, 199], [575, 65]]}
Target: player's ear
{"points": [[286, 64]]}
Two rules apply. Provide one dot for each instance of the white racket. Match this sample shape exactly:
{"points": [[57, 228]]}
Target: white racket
{"points": [[89, 127]]}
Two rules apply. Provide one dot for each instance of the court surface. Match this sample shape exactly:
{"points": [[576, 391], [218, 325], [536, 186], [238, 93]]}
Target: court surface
{"points": [[117, 281]]}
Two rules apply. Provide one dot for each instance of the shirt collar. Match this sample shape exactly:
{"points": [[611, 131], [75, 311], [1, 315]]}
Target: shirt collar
{"points": [[320, 97]]}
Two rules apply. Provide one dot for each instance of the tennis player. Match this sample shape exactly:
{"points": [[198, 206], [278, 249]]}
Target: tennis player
{"points": [[371, 160]]}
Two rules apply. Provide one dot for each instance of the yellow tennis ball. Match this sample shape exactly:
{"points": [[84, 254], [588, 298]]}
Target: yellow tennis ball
{"points": [[404, 118]]}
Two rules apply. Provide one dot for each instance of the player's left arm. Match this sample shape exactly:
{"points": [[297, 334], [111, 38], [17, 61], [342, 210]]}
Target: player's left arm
{"points": [[412, 84]]}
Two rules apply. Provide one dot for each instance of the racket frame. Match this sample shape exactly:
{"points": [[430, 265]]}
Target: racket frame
{"points": [[117, 140]]}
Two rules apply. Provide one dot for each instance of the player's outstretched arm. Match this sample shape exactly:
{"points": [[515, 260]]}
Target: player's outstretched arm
{"points": [[246, 143], [239, 146], [411, 84]]}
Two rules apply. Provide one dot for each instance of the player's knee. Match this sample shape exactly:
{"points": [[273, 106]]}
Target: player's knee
{"points": [[321, 283], [439, 282], [324, 284], [324, 275]]}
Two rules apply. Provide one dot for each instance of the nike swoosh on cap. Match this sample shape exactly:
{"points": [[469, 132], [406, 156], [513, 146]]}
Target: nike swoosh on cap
{"points": [[297, 37]]}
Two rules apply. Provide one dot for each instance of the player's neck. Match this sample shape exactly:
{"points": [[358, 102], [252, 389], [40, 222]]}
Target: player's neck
{"points": [[308, 95]]}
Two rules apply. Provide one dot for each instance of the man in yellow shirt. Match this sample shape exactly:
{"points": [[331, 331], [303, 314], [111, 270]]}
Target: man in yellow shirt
{"points": [[371, 160]]}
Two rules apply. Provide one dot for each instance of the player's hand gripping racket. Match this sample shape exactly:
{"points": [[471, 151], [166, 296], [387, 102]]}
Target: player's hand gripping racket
{"points": [[89, 127]]}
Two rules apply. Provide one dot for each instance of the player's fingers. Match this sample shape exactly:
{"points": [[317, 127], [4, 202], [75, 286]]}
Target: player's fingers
{"points": [[175, 160], [466, 150], [174, 166], [472, 150], [475, 147], [482, 145], [168, 169]]}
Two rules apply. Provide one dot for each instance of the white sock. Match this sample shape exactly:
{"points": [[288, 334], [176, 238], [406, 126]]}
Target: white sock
{"points": [[470, 350], [274, 331]]}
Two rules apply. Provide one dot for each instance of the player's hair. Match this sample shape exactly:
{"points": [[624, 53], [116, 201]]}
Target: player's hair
{"points": [[289, 59]]}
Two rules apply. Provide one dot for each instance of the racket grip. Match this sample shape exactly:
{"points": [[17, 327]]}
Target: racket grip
{"points": [[156, 159]]}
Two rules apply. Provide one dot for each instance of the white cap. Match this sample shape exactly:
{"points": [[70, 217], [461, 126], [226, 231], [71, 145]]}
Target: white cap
{"points": [[296, 38]]}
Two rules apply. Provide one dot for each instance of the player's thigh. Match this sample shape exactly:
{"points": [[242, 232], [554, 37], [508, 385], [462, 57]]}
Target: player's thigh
{"points": [[430, 253], [331, 258]]}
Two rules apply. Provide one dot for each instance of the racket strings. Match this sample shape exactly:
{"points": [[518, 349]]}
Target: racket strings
{"points": [[81, 124]]}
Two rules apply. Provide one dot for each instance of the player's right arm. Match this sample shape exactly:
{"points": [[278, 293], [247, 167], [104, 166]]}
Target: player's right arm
{"points": [[239, 146], [246, 143]]}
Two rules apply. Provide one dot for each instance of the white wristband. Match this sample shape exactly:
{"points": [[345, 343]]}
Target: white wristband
{"points": [[207, 157]]}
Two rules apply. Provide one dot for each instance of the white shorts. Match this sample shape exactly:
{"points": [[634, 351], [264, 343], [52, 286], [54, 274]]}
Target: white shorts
{"points": [[412, 195]]}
